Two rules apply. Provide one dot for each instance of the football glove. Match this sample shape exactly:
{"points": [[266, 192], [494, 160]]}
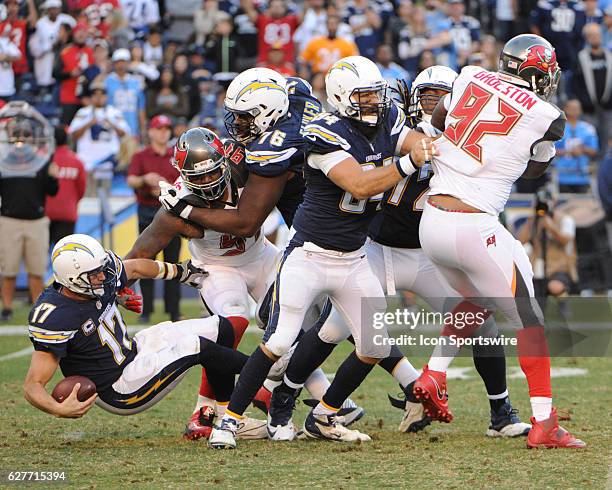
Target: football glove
{"points": [[190, 274], [130, 300], [169, 199]]}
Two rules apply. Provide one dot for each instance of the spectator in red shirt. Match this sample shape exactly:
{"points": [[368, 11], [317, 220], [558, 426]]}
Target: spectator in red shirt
{"points": [[275, 26], [72, 61], [61, 209], [146, 169], [17, 30], [276, 61]]}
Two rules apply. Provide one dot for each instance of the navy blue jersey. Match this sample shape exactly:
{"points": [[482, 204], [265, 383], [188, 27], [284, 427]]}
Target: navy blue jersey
{"points": [[397, 223], [89, 337], [561, 24], [329, 216], [282, 148]]}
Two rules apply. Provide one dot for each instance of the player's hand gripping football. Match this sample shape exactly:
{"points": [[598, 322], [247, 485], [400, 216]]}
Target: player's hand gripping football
{"points": [[190, 274], [72, 408], [422, 152], [130, 300], [168, 197]]}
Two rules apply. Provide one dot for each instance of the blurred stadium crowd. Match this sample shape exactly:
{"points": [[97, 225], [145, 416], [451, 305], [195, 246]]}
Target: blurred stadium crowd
{"points": [[103, 69]]}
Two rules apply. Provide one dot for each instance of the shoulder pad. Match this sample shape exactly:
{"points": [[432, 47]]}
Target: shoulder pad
{"points": [[53, 324], [298, 86], [397, 119], [544, 4], [326, 133]]}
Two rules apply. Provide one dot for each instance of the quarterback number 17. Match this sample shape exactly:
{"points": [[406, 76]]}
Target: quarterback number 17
{"points": [[471, 104]]}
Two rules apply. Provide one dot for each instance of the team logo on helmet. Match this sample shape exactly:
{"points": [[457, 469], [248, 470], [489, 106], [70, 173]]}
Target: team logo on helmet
{"points": [[251, 87], [70, 247], [341, 65], [179, 157], [539, 57]]}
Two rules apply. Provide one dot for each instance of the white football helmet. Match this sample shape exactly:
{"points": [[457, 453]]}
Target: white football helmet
{"points": [[254, 101], [356, 89], [436, 77], [76, 259]]}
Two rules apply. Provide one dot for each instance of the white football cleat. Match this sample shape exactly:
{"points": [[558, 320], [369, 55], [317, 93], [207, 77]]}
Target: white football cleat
{"points": [[414, 418], [249, 428], [281, 432], [330, 427], [223, 436]]}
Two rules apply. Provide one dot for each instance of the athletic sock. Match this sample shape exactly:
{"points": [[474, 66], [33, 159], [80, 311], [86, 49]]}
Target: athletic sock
{"points": [[490, 362], [203, 401], [222, 383], [399, 367], [250, 380], [498, 401], [230, 331], [215, 356], [316, 384], [442, 357], [309, 354], [534, 359], [349, 376], [541, 407]]}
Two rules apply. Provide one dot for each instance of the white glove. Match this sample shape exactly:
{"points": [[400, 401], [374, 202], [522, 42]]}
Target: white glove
{"points": [[189, 274], [428, 129], [169, 199]]}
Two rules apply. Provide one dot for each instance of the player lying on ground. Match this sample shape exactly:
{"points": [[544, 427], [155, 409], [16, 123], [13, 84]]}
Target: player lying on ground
{"points": [[497, 128], [237, 267], [398, 261], [76, 324], [325, 256]]}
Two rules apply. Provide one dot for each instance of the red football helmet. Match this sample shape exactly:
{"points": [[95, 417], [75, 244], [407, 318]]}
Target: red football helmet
{"points": [[530, 61], [199, 157]]}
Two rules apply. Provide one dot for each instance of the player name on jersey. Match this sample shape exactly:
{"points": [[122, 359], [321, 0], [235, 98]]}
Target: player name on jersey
{"points": [[517, 94]]}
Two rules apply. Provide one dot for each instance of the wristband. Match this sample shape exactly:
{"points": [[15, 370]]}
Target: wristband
{"points": [[166, 271], [405, 166]]}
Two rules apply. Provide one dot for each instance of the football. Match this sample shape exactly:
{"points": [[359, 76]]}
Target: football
{"points": [[63, 389]]}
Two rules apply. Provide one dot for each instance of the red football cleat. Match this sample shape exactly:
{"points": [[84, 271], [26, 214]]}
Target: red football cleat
{"points": [[262, 400], [200, 424], [430, 390], [548, 434]]}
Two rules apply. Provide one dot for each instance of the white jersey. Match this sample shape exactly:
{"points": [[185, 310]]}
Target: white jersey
{"points": [[221, 248], [492, 130]]}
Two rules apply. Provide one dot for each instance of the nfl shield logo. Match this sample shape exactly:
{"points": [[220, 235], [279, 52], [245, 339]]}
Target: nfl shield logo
{"points": [[88, 327]]}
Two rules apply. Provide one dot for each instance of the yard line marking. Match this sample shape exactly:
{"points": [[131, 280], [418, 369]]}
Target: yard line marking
{"points": [[20, 353]]}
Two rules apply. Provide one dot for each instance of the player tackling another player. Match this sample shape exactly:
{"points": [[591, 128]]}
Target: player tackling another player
{"points": [[495, 127]]}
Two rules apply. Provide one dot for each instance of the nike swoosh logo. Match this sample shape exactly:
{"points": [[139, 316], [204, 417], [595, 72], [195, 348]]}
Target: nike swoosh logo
{"points": [[440, 392]]}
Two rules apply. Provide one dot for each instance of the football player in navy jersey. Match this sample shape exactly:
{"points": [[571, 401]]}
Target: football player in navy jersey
{"points": [[266, 113], [351, 162], [395, 256], [76, 325]]}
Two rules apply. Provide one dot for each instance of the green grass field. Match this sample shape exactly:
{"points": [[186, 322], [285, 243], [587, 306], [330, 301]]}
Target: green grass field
{"points": [[146, 450]]}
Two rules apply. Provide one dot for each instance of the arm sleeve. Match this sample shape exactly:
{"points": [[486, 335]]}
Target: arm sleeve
{"points": [[328, 161], [543, 152]]}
